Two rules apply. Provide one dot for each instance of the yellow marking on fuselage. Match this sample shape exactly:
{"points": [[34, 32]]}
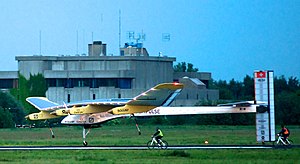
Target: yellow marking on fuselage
{"points": [[89, 109], [131, 109], [61, 112], [42, 115]]}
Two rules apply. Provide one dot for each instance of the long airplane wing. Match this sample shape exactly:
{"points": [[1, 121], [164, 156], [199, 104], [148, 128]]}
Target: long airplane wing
{"points": [[41, 103], [160, 95]]}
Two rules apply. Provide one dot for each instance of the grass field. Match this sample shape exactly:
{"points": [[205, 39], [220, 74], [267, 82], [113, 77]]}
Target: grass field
{"points": [[120, 135]]}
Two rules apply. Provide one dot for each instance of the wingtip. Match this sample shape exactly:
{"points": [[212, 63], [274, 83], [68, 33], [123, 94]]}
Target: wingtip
{"points": [[172, 86]]}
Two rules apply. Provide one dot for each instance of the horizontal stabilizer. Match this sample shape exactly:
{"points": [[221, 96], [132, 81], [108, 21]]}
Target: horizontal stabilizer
{"points": [[242, 104]]}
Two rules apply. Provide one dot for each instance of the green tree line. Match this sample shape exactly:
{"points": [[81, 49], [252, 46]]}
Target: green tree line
{"points": [[13, 105], [287, 96]]}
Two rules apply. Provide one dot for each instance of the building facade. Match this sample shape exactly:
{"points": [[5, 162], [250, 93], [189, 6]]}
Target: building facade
{"points": [[98, 76]]}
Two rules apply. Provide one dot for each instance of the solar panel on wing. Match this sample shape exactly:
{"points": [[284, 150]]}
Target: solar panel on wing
{"points": [[41, 102]]}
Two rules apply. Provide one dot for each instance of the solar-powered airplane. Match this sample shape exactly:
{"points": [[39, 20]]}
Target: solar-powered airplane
{"points": [[91, 113], [155, 102]]}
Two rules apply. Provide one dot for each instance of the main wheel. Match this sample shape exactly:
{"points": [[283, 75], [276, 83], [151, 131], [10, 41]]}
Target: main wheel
{"points": [[164, 144], [85, 143], [149, 145]]}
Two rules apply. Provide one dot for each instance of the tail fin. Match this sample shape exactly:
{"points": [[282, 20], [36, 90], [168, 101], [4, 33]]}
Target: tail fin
{"points": [[41, 103]]}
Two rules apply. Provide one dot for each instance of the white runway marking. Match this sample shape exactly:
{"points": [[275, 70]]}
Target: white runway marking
{"points": [[3, 148]]}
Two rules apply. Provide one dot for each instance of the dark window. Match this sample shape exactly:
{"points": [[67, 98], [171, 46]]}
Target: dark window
{"points": [[77, 82], [6, 83], [51, 82], [92, 83], [60, 82], [94, 96], [69, 98], [124, 83], [69, 83]]}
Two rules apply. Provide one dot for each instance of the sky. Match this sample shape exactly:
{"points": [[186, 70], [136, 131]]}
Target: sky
{"points": [[228, 38]]}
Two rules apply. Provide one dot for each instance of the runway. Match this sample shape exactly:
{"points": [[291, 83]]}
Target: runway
{"points": [[7, 148]]}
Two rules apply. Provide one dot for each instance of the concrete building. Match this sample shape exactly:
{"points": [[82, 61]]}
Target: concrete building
{"points": [[98, 76], [8, 80]]}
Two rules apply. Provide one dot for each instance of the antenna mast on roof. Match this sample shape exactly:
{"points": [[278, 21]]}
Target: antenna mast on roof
{"points": [[76, 42], [40, 42], [120, 30]]}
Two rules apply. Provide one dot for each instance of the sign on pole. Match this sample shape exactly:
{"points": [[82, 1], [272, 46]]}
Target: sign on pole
{"points": [[265, 115]]}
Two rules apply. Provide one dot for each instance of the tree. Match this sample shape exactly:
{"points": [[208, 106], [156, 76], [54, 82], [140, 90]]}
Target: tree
{"points": [[248, 88], [280, 84], [11, 112], [287, 100], [181, 67], [22, 92], [236, 89], [224, 90], [35, 86], [287, 108], [6, 120], [191, 68]]}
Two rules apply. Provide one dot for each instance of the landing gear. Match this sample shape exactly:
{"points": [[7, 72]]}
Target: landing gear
{"points": [[137, 125], [50, 128], [84, 134], [85, 143], [52, 134]]}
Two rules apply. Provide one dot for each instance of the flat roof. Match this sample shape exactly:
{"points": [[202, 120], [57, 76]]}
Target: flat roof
{"points": [[9, 75], [95, 58]]}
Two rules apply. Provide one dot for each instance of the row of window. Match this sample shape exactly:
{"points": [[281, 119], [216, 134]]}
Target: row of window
{"points": [[123, 83], [8, 83]]}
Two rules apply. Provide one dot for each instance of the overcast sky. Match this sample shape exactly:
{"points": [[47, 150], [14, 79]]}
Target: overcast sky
{"points": [[230, 39]]}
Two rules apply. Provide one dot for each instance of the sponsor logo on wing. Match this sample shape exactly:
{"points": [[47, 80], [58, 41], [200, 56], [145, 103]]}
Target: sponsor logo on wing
{"points": [[123, 110]]}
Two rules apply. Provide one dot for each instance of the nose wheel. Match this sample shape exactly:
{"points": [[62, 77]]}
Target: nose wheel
{"points": [[85, 143], [50, 128], [84, 134]]}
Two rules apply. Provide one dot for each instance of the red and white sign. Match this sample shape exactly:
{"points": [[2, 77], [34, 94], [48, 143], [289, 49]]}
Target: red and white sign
{"points": [[260, 74]]}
